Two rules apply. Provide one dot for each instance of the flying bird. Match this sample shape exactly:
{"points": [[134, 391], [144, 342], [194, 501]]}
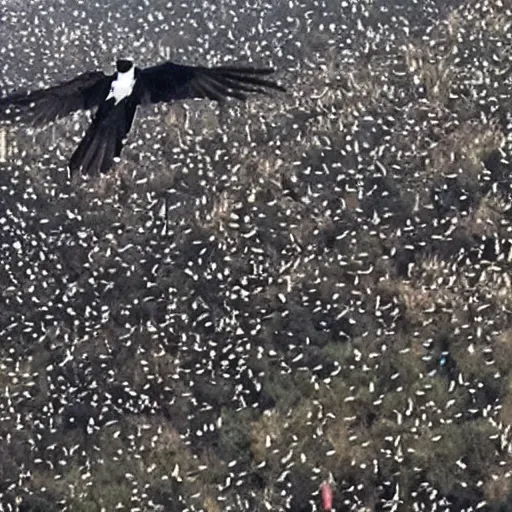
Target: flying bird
{"points": [[117, 97]]}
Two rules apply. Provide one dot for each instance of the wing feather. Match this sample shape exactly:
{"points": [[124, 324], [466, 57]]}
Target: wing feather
{"points": [[170, 81], [44, 105], [213, 90]]}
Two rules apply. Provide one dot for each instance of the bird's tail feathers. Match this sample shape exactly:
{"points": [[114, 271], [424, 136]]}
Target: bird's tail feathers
{"points": [[103, 141]]}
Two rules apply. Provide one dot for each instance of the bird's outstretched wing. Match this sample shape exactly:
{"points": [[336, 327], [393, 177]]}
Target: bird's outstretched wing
{"points": [[42, 106], [169, 81], [104, 138]]}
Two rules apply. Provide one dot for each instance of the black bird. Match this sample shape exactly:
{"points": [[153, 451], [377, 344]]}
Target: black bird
{"points": [[117, 97]]}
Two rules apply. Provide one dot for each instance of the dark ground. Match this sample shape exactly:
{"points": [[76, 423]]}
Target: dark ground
{"points": [[312, 286]]}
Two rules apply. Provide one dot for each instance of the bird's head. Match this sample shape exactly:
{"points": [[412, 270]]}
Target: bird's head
{"points": [[124, 65]]}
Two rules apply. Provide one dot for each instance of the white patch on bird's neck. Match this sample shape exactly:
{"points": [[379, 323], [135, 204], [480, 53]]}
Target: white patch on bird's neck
{"points": [[122, 86]]}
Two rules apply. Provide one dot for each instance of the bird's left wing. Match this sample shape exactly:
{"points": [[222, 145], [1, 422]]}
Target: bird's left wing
{"points": [[42, 106], [170, 81]]}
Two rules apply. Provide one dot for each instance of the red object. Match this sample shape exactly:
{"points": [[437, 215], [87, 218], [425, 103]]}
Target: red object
{"points": [[326, 491]]}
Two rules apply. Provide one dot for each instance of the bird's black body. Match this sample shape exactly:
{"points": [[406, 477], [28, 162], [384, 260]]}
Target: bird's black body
{"points": [[117, 97]]}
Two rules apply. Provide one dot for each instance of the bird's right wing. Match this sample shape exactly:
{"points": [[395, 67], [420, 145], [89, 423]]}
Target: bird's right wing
{"points": [[170, 81], [42, 106]]}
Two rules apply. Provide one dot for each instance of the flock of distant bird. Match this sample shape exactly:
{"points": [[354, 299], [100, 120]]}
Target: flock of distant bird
{"points": [[117, 96]]}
